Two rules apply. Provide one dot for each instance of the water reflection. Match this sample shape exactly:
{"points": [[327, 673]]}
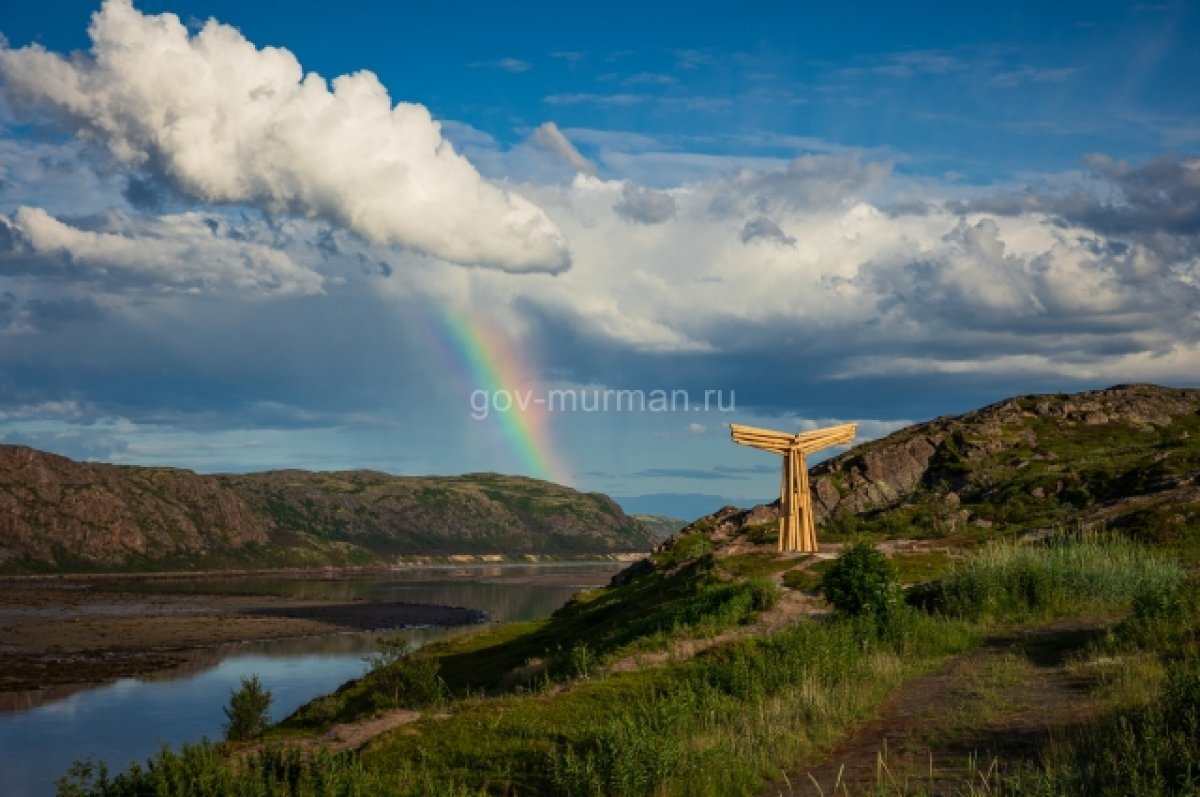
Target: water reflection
{"points": [[506, 592], [129, 719]]}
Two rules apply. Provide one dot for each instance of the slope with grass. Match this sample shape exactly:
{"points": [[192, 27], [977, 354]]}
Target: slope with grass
{"points": [[546, 707]]}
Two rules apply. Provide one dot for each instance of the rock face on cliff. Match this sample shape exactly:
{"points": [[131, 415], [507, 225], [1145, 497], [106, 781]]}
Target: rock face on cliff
{"points": [[1031, 461], [1127, 457], [60, 515]]}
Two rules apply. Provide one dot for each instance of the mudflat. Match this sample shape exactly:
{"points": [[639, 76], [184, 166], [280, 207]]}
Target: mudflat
{"points": [[60, 634]]}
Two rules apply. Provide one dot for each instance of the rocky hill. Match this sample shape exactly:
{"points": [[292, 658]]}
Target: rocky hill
{"points": [[60, 515], [1127, 457]]}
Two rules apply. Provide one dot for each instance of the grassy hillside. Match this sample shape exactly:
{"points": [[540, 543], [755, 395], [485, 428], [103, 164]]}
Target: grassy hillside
{"points": [[708, 671]]}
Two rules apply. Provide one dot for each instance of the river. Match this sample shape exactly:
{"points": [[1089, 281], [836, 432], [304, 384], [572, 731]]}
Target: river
{"points": [[130, 719]]}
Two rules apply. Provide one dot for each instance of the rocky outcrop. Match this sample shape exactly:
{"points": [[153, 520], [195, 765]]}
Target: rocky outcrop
{"points": [[977, 453], [1124, 457], [58, 514]]}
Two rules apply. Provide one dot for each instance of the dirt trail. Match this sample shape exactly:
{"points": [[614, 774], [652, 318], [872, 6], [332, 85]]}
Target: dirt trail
{"points": [[990, 707], [790, 607], [354, 735]]}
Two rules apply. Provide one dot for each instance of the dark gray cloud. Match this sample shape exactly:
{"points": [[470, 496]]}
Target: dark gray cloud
{"points": [[185, 252], [747, 470], [763, 229], [1161, 196], [644, 205], [104, 446], [811, 183]]}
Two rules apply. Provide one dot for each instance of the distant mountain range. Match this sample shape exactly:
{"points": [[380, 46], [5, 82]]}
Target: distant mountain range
{"points": [[59, 515]]}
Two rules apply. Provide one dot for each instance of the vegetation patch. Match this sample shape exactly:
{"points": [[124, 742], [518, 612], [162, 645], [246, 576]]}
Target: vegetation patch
{"points": [[1064, 573]]}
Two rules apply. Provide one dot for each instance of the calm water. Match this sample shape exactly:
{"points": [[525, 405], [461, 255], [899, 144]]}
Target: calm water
{"points": [[130, 719]]}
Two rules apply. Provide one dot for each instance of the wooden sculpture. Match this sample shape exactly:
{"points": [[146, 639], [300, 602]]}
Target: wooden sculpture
{"points": [[796, 529]]}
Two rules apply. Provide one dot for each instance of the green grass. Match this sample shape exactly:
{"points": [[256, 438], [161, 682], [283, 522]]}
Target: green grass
{"points": [[1145, 677], [746, 565], [1069, 572], [717, 724], [807, 579], [723, 721], [689, 598], [1148, 743], [912, 568]]}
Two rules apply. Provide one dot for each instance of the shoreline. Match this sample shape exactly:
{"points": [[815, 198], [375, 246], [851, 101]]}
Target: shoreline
{"points": [[463, 561], [59, 636]]}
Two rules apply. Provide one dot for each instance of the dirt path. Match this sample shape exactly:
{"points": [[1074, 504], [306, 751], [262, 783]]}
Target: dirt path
{"points": [[790, 607], [987, 708]]}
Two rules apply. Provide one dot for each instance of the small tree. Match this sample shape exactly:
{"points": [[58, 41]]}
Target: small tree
{"points": [[861, 581], [247, 710]]}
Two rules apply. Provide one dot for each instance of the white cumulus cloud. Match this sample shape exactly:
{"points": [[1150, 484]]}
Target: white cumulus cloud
{"points": [[227, 122]]}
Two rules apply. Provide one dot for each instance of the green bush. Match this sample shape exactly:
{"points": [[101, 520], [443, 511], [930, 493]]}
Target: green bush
{"points": [[400, 679], [861, 581], [763, 593], [247, 711]]}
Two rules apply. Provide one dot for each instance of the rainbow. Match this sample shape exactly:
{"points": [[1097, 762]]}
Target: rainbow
{"points": [[494, 365]]}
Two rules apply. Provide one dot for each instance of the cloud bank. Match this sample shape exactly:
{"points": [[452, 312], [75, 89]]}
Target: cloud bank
{"points": [[190, 251], [226, 122]]}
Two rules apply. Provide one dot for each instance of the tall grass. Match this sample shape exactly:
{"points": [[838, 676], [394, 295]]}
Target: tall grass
{"points": [[714, 725], [1068, 572], [1148, 742], [205, 770], [1150, 748]]}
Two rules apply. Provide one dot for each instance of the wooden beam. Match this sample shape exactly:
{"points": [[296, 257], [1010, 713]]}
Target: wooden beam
{"points": [[797, 527], [737, 429], [758, 430]]}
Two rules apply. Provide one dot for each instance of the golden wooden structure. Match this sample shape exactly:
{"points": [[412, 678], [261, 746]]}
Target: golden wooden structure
{"points": [[797, 531]]}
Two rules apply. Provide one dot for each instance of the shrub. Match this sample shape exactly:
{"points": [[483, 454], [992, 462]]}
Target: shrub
{"points": [[763, 593], [403, 680], [247, 711], [861, 581]]}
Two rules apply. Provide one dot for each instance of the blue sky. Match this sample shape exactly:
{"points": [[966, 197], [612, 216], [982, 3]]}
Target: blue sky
{"points": [[864, 213]]}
